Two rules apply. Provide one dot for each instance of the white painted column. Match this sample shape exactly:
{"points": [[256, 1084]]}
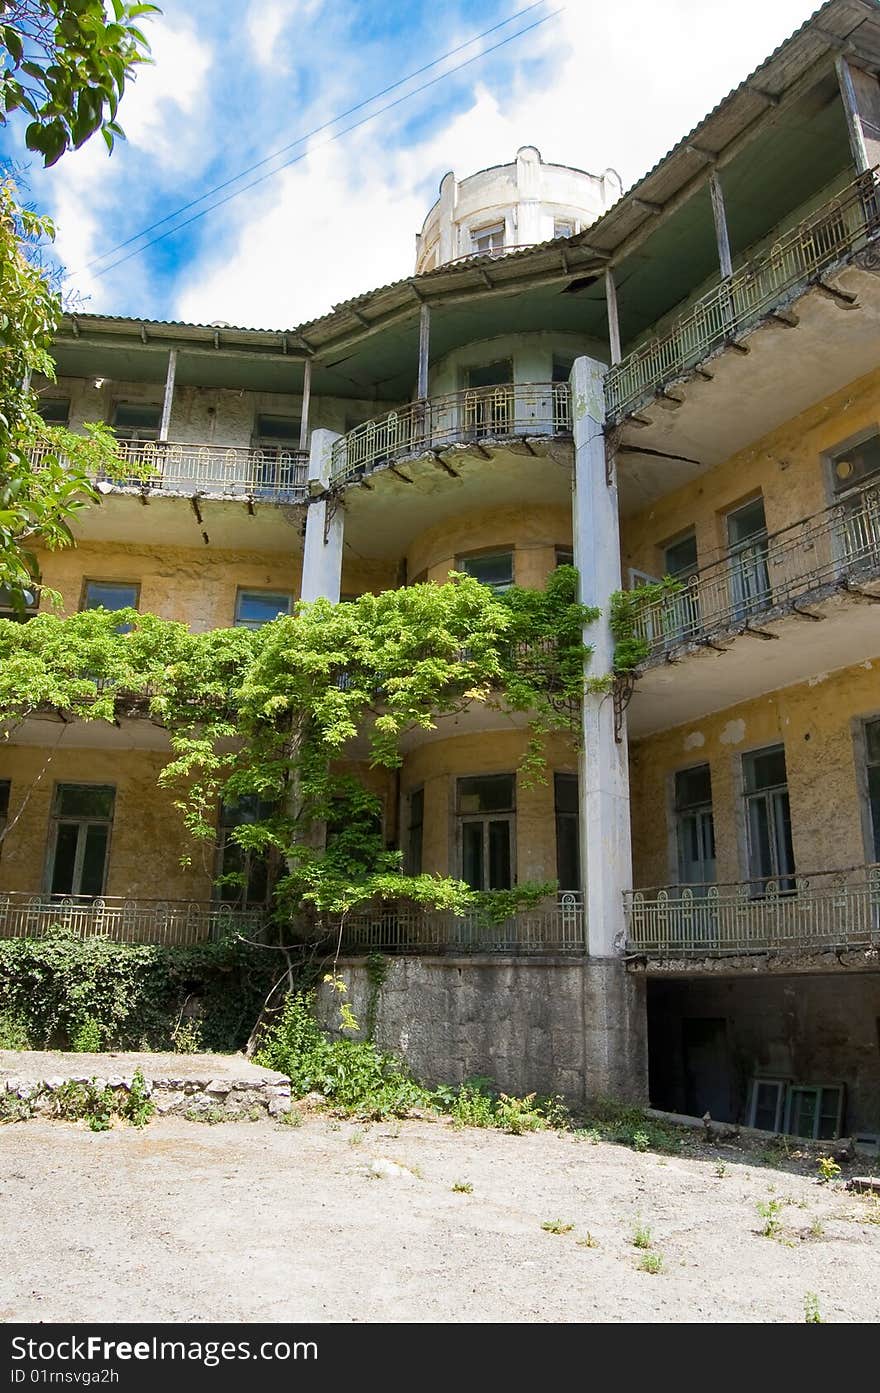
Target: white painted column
{"points": [[306, 400], [606, 856], [168, 402], [322, 558], [613, 321], [860, 94], [719, 214], [424, 350]]}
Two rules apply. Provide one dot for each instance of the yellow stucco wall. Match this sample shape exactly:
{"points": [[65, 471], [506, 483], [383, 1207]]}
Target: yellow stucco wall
{"points": [[436, 765], [818, 723], [786, 466], [533, 532]]}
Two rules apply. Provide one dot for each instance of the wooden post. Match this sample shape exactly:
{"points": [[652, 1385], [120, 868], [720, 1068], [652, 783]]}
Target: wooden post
{"points": [[306, 399], [424, 349], [613, 322], [853, 119], [165, 424], [721, 234]]}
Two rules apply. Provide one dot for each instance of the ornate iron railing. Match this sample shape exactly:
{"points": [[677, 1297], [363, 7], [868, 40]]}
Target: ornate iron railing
{"points": [[837, 546], [841, 226], [278, 476], [477, 414], [827, 910], [169, 922], [410, 930]]}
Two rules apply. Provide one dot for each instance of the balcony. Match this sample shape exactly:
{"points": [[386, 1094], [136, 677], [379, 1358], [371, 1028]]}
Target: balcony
{"points": [[475, 416], [170, 923], [214, 471], [837, 549], [843, 226], [406, 930], [811, 914]]}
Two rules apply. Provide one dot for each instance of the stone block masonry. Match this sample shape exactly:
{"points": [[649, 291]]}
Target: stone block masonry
{"points": [[546, 1025]]}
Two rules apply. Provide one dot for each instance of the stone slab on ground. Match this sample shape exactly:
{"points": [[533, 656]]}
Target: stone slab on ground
{"points": [[176, 1082]]}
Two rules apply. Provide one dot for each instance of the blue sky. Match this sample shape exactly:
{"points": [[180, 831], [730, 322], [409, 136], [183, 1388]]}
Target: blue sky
{"points": [[602, 83]]}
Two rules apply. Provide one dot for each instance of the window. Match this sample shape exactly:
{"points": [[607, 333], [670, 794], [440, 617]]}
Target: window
{"points": [[852, 466], [486, 813], [136, 421], [254, 608], [564, 556], [872, 753], [680, 557], [561, 370], [681, 613], [5, 790], [251, 867], [17, 605], [814, 1111], [488, 241], [568, 856], [768, 818], [112, 595], [275, 432], [494, 569], [695, 826], [277, 440], [767, 1104], [82, 815], [497, 374], [563, 227], [415, 831], [749, 574], [55, 411], [489, 405]]}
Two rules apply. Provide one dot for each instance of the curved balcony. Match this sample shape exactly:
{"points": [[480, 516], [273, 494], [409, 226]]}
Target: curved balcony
{"points": [[476, 415]]}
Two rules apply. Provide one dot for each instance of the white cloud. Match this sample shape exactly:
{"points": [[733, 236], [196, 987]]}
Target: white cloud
{"points": [[625, 82], [266, 22]]}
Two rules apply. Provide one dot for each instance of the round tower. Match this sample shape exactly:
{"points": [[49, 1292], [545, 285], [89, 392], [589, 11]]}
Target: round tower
{"points": [[509, 206]]}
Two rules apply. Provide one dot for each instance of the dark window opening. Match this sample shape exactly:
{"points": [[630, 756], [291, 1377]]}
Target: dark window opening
{"points": [[568, 854]]}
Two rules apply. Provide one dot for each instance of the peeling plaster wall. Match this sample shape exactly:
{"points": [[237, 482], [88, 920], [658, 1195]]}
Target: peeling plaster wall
{"points": [[786, 466], [532, 356], [817, 722], [533, 532]]}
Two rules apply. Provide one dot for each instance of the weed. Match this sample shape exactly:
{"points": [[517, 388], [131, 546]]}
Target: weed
{"points": [[462, 1187], [816, 1229], [210, 1116], [356, 1138], [828, 1169], [88, 1038], [137, 1106], [556, 1226], [186, 1037], [720, 1169], [15, 1109], [615, 1122], [651, 1262], [13, 1032], [292, 1118], [812, 1314], [641, 1236], [769, 1211], [588, 1241], [77, 1101], [641, 1141], [591, 1135]]}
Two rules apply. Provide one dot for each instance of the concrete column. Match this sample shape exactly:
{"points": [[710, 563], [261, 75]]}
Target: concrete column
{"points": [[606, 855], [306, 399], [860, 94], [446, 217], [424, 350], [322, 559], [168, 402], [613, 321], [722, 236]]}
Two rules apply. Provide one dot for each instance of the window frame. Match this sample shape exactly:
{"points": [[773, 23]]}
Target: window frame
{"points": [[566, 815], [818, 1089], [507, 816], [136, 435], [243, 590], [784, 879], [54, 400], [489, 553], [5, 801], [864, 765], [415, 824], [703, 811], [486, 230], [57, 819], [134, 585], [830, 457]]}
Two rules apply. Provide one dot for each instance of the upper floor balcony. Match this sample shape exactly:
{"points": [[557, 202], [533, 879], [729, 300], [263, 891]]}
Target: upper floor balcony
{"points": [[820, 913], [477, 418], [794, 260]]}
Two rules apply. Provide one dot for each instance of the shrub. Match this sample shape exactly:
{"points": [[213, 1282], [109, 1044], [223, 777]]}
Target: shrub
{"points": [[88, 1037], [13, 1032]]}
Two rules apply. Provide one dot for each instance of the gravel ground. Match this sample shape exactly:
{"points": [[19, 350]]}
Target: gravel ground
{"points": [[337, 1221]]}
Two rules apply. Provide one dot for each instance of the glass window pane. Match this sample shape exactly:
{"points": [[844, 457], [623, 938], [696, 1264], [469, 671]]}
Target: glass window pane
{"points": [[55, 411], [416, 827], [472, 854], [680, 558], [874, 804], [850, 467], [765, 769], [693, 787], [5, 787], [138, 419], [761, 857], [499, 856], [746, 522], [65, 858], [256, 607], [493, 793], [766, 1106], [565, 792], [782, 832], [280, 428], [804, 1104], [85, 800], [491, 374], [91, 880], [568, 865], [112, 595], [872, 741], [495, 570]]}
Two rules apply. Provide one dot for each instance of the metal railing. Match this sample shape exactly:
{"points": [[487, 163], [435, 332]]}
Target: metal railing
{"points": [[476, 414], [169, 922], [841, 226], [826, 910], [839, 545], [410, 930], [279, 476]]}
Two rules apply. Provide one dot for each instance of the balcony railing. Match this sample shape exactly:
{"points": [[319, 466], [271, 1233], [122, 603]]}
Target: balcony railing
{"points": [[477, 414], [839, 545], [815, 913], [841, 226], [173, 923], [408, 930], [277, 476]]}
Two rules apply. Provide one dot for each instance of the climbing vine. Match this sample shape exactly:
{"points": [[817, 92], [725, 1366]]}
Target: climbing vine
{"points": [[625, 607]]}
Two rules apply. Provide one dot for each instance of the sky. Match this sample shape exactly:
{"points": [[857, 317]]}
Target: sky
{"points": [[592, 83]]}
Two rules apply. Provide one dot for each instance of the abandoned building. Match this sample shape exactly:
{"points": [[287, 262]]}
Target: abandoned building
{"points": [[681, 380]]}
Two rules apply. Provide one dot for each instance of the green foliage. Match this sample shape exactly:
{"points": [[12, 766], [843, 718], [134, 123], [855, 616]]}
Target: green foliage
{"points": [[77, 1101], [462, 1187], [88, 1037], [62, 990], [556, 1226], [770, 1211], [137, 1105], [15, 1109], [186, 1037], [13, 1032], [641, 1236], [812, 1314], [651, 1262], [625, 606], [613, 1121], [828, 1169], [65, 65]]}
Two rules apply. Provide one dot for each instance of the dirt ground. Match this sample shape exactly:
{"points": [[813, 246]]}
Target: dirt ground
{"points": [[338, 1221]]}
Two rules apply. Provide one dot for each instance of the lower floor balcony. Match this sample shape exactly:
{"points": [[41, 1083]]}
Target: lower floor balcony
{"points": [[799, 914], [169, 923], [560, 929]]}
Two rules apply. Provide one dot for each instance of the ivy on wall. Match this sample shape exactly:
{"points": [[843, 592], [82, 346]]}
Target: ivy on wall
{"points": [[625, 607]]}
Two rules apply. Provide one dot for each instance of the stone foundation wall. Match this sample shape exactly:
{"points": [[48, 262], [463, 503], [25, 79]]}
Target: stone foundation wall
{"points": [[549, 1025]]}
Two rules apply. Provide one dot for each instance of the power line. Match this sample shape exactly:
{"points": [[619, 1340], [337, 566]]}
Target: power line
{"points": [[345, 131], [218, 188]]}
